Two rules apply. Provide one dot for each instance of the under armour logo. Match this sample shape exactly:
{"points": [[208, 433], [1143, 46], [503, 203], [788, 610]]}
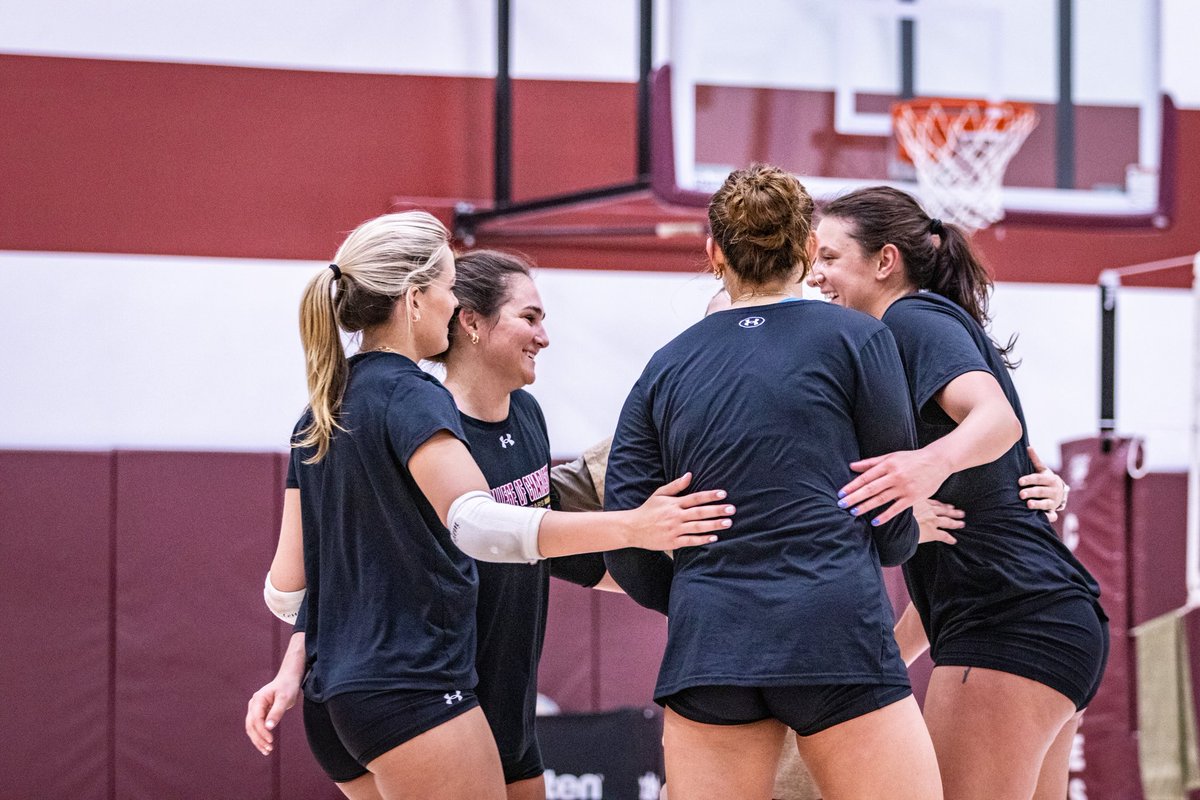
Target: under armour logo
{"points": [[751, 322], [506, 440], [451, 699]]}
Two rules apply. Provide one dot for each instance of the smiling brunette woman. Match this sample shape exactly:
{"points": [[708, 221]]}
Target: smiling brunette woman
{"points": [[1018, 637], [495, 338]]}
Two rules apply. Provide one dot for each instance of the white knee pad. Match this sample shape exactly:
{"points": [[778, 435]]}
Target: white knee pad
{"points": [[491, 531], [285, 605]]}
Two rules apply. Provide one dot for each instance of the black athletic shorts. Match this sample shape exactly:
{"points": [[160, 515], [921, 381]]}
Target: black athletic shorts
{"points": [[352, 729], [804, 709], [1063, 646]]}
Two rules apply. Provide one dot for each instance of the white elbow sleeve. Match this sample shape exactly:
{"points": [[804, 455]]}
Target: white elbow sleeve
{"points": [[491, 531], [285, 605]]}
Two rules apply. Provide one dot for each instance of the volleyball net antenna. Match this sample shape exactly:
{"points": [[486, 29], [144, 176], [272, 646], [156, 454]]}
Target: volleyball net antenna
{"points": [[1110, 284]]}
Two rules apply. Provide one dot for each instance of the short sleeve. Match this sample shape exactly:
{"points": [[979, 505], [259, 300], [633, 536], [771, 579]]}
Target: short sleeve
{"points": [[635, 471], [419, 408], [645, 575], [585, 569], [294, 454], [935, 346], [293, 481], [883, 423], [635, 462]]}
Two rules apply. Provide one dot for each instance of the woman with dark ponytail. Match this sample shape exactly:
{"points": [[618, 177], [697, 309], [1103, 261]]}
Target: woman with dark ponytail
{"points": [[1013, 620], [388, 508]]}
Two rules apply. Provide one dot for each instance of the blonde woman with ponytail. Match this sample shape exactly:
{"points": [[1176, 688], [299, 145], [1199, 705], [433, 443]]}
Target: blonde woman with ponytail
{"points": [[388, 508]]}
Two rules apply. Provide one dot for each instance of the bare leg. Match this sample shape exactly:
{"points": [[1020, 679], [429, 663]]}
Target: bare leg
{"points": [[716, 762], [457, 760], [1056, 766], [992, 731], [886, 753], [361, 788], [529, 789], [793, 780]]}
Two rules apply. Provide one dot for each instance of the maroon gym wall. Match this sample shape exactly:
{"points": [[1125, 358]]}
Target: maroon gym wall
{"points": [[134, 630], [185, 159], [56, 624]]}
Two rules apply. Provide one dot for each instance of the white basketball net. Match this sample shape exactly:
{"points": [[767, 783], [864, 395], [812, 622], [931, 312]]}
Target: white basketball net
{"points": [[960, 153]]}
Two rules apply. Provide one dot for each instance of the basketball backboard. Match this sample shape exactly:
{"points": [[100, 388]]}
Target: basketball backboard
{"points": [[808, 85]]}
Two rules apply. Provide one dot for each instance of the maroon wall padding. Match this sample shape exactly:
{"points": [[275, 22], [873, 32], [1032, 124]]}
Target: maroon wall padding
{"points": [[55, 566], [1101, 503], [194, 531], [117, 688], [1158, 545], [602, 650], [567, 673], [631, 643]]}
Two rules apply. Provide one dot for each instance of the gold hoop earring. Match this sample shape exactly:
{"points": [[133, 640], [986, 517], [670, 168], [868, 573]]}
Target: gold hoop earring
{"points": [[474, 337]]}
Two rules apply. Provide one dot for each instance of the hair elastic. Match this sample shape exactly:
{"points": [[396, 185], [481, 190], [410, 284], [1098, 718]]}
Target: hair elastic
{"points": [[936, 227], [337, 272]]}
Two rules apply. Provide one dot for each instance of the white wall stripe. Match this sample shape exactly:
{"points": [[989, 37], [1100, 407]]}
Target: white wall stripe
{"points": [[199, 353]]}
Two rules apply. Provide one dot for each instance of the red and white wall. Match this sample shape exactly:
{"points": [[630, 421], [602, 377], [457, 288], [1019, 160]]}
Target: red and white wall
{"points": [[172, 173], [170, 176]]}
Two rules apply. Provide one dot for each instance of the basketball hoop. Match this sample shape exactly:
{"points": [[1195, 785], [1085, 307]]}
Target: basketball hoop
{"points": [[960, 150]]}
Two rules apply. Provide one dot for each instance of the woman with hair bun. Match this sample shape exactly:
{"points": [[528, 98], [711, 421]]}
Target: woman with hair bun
{"points": [[390, 508], [1018, 637], [785, 622]]}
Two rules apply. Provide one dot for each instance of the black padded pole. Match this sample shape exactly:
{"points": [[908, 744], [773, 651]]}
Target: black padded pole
{"points": [[1064, 141], [645, 66], [503, 119], [908, 58], [1109, 283]]}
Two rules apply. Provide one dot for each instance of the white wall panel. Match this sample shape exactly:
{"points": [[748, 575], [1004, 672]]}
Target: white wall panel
{"points": [[550, 38], [153, 352], [763, 42]]}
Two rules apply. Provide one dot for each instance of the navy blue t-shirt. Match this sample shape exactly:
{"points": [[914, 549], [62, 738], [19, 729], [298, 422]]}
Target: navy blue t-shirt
{"points": [[391, 599], [1008, 561], [514, 456], [772, 404]]}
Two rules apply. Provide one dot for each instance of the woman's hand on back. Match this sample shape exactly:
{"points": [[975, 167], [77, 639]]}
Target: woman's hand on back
{"points": [[902, 478], [936, 520], [669, 521], [1043, 490]]}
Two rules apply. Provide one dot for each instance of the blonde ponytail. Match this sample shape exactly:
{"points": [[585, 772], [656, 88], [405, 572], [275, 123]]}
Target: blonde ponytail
{"points": [[377, 264], [324, 362]]}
